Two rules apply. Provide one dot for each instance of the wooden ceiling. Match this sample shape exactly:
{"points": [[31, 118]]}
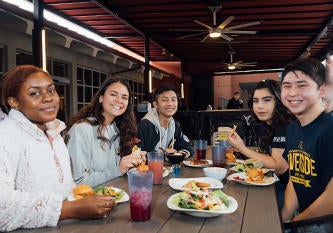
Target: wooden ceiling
{"points": [[289, 29]]}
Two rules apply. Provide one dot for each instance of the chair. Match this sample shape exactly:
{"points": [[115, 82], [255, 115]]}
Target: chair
{"points": [[295, 225]]}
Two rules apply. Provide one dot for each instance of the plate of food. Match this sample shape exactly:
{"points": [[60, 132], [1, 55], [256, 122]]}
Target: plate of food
{"points": [[198, 163], [197, 182], [254, 176], [202, 203], [83, 190]]}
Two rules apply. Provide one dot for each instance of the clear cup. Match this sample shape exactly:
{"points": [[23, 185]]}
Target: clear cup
{"points": [[176, 170], [218, 155], [200, 147], [155, 164], [140, 185]]}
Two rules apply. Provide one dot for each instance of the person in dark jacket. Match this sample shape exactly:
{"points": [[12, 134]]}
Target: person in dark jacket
{"points": [[158, 129], [235, 102]]}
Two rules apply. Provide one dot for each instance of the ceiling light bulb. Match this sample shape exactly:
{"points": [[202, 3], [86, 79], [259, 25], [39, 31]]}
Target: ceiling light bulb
{"points": [[214, 34], [231, 67]]}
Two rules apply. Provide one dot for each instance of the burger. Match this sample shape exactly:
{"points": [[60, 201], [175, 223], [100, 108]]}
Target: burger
{"points": [[82, 190], [136, 150], [142, 167], [230, 157], [253, 163], [255, 174]]}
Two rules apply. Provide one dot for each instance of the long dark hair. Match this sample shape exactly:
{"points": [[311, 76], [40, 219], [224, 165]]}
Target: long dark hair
{"points": [[126, 123], [281, 115]]}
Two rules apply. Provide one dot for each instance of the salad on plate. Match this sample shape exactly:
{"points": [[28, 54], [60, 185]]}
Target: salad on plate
{"points": [[202, 202]]}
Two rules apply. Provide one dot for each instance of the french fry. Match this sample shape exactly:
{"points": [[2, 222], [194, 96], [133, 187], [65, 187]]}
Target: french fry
{"points": [[235, 127]]}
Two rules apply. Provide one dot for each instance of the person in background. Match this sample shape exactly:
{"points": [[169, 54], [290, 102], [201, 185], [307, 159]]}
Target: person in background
{"points": [[235, 102], [158, 129], [267, 107], [328, 99], [309, 146], [35, 173], [101, 135]]}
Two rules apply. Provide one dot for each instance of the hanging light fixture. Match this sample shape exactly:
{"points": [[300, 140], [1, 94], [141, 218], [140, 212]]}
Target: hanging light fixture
{"points": [[214, 33]]}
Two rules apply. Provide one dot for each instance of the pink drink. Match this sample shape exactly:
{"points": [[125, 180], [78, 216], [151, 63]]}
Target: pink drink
{"points": [[156, 166], [140, 204]]}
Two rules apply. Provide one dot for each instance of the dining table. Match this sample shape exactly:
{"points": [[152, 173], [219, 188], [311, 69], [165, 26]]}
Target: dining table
{"points": [[257, 212]]}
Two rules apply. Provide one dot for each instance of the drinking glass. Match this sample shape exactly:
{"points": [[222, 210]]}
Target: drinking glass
{"points": [[218, 155], [140, 185], [176, 170], [155, 164], [200, 147]]}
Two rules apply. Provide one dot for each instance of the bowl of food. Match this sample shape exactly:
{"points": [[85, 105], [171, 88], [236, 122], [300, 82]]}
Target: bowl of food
{"points": [[175, 158], [215, 172]]}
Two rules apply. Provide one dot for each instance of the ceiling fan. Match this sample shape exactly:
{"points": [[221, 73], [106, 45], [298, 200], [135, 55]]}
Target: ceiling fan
{"points": [[220, 30], [235, 65], [238, 64]]}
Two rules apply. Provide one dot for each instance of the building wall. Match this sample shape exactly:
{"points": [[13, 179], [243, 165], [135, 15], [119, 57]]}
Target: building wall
{"points": [[226, 85]]}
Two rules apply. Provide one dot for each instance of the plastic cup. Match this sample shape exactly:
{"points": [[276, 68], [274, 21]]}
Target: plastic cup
{"points": [[218, 155], [200, 147], [140, 185], [155, 164], [226, 144], [176, 170]]}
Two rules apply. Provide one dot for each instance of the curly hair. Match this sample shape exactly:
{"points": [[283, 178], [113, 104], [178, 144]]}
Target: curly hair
{"points": [[281, 115], [126, 123]]}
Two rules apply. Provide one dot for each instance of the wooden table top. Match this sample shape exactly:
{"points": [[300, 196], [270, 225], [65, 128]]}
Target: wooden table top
{"points": [[257, 212]]}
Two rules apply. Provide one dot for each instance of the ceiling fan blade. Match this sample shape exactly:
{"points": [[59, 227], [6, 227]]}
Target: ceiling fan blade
{"points": [[186, 30], [228, 38], [192, 35], [226, 22], [242, 25], [249, 64], [205, 38], [203, 24], [239, 32]]}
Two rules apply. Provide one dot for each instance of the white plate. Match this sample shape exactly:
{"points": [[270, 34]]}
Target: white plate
{"points": [[266, 181], [177, 183], [165, 171], [124, 198], [188, 163], [203, 213]]}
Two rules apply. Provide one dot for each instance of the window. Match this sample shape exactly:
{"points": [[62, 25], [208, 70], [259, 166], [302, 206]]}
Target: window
{"points": [[23, 58], [88, 82]]}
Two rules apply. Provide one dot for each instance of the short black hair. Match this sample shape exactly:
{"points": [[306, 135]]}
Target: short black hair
{"points": [[161, 89], [312, 67]]}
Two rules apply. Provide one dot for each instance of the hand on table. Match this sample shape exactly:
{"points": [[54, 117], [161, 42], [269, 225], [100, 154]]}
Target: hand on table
{"points": [[94, 206]]}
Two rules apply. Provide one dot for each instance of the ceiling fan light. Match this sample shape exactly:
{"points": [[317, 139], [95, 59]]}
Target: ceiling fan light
{"points": [[231, 67], [214, 34]]}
